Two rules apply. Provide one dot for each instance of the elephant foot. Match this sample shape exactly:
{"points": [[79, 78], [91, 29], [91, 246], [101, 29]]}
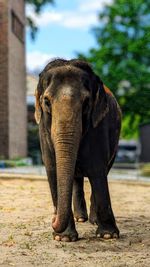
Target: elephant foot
{"points": [[80, 213], [70, 234], [66, 236], [107, 231]]}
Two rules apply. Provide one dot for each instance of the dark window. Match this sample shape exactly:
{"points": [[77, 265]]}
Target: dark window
{"points": [[17, 27], [128, 148]]}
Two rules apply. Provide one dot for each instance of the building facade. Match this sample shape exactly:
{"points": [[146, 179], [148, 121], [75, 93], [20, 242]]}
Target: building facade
{"points": [[13, 114]]}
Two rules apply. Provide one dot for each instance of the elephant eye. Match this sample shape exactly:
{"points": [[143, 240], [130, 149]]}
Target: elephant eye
{"points": [[46, 102]]}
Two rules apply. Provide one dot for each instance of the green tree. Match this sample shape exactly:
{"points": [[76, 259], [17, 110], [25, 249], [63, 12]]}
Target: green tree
{"points": [[37, 6], [122, 59]]}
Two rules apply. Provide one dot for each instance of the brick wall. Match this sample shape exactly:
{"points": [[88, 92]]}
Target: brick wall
{"points": [[12, 81]]}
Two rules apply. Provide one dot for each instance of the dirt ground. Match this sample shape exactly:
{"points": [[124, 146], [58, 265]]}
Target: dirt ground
{"points": [[26, 233]]}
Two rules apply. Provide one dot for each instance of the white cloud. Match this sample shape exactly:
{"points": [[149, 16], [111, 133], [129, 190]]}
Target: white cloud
{"points": [[67, 19], [93, 5], [37, 60], [83, 17], [79, 20], [46, 17]]}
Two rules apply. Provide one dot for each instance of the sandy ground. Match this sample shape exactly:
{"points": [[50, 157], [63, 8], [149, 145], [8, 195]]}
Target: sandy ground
{"points": [[26, 233]]}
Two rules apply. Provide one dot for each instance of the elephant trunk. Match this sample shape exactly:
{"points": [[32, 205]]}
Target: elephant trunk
{"points": [[66, 143]]}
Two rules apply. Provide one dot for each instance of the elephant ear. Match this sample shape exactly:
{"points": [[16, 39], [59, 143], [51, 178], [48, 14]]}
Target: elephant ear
{"points": [[38, 109], [38, 96], [100, 105]]}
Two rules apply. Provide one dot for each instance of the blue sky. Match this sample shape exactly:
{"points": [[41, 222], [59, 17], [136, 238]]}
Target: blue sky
{"points": [[64, 29]]}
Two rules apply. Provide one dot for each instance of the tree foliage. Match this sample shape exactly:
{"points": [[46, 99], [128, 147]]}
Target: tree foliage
{"points": [[122, 59], [37, 7]]}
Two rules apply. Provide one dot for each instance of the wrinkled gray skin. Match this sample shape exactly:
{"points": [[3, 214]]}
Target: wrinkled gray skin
{"points": [[79, 125]]}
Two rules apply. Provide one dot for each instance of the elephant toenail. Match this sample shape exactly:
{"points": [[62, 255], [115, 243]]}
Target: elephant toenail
{"points": [[81, 220], [57, 238], [115, 235], [107, 236], [98, 235]]}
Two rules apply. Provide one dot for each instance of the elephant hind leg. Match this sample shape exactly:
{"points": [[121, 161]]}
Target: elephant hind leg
{"points": [[80, 209], [92, 215]]}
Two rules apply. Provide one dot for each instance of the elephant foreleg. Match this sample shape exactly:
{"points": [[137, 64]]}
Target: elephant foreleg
{"points": [[80, 209], [107, 227]]}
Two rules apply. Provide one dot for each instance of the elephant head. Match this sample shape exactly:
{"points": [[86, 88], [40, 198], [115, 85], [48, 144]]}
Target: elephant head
{"points": [[70, 99]]}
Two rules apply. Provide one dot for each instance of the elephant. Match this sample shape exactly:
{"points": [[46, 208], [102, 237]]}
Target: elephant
{"points": [[79, 126]]}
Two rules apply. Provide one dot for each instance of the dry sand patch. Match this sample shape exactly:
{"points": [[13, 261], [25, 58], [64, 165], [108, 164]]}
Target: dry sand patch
{"points": [[26, 233]]}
